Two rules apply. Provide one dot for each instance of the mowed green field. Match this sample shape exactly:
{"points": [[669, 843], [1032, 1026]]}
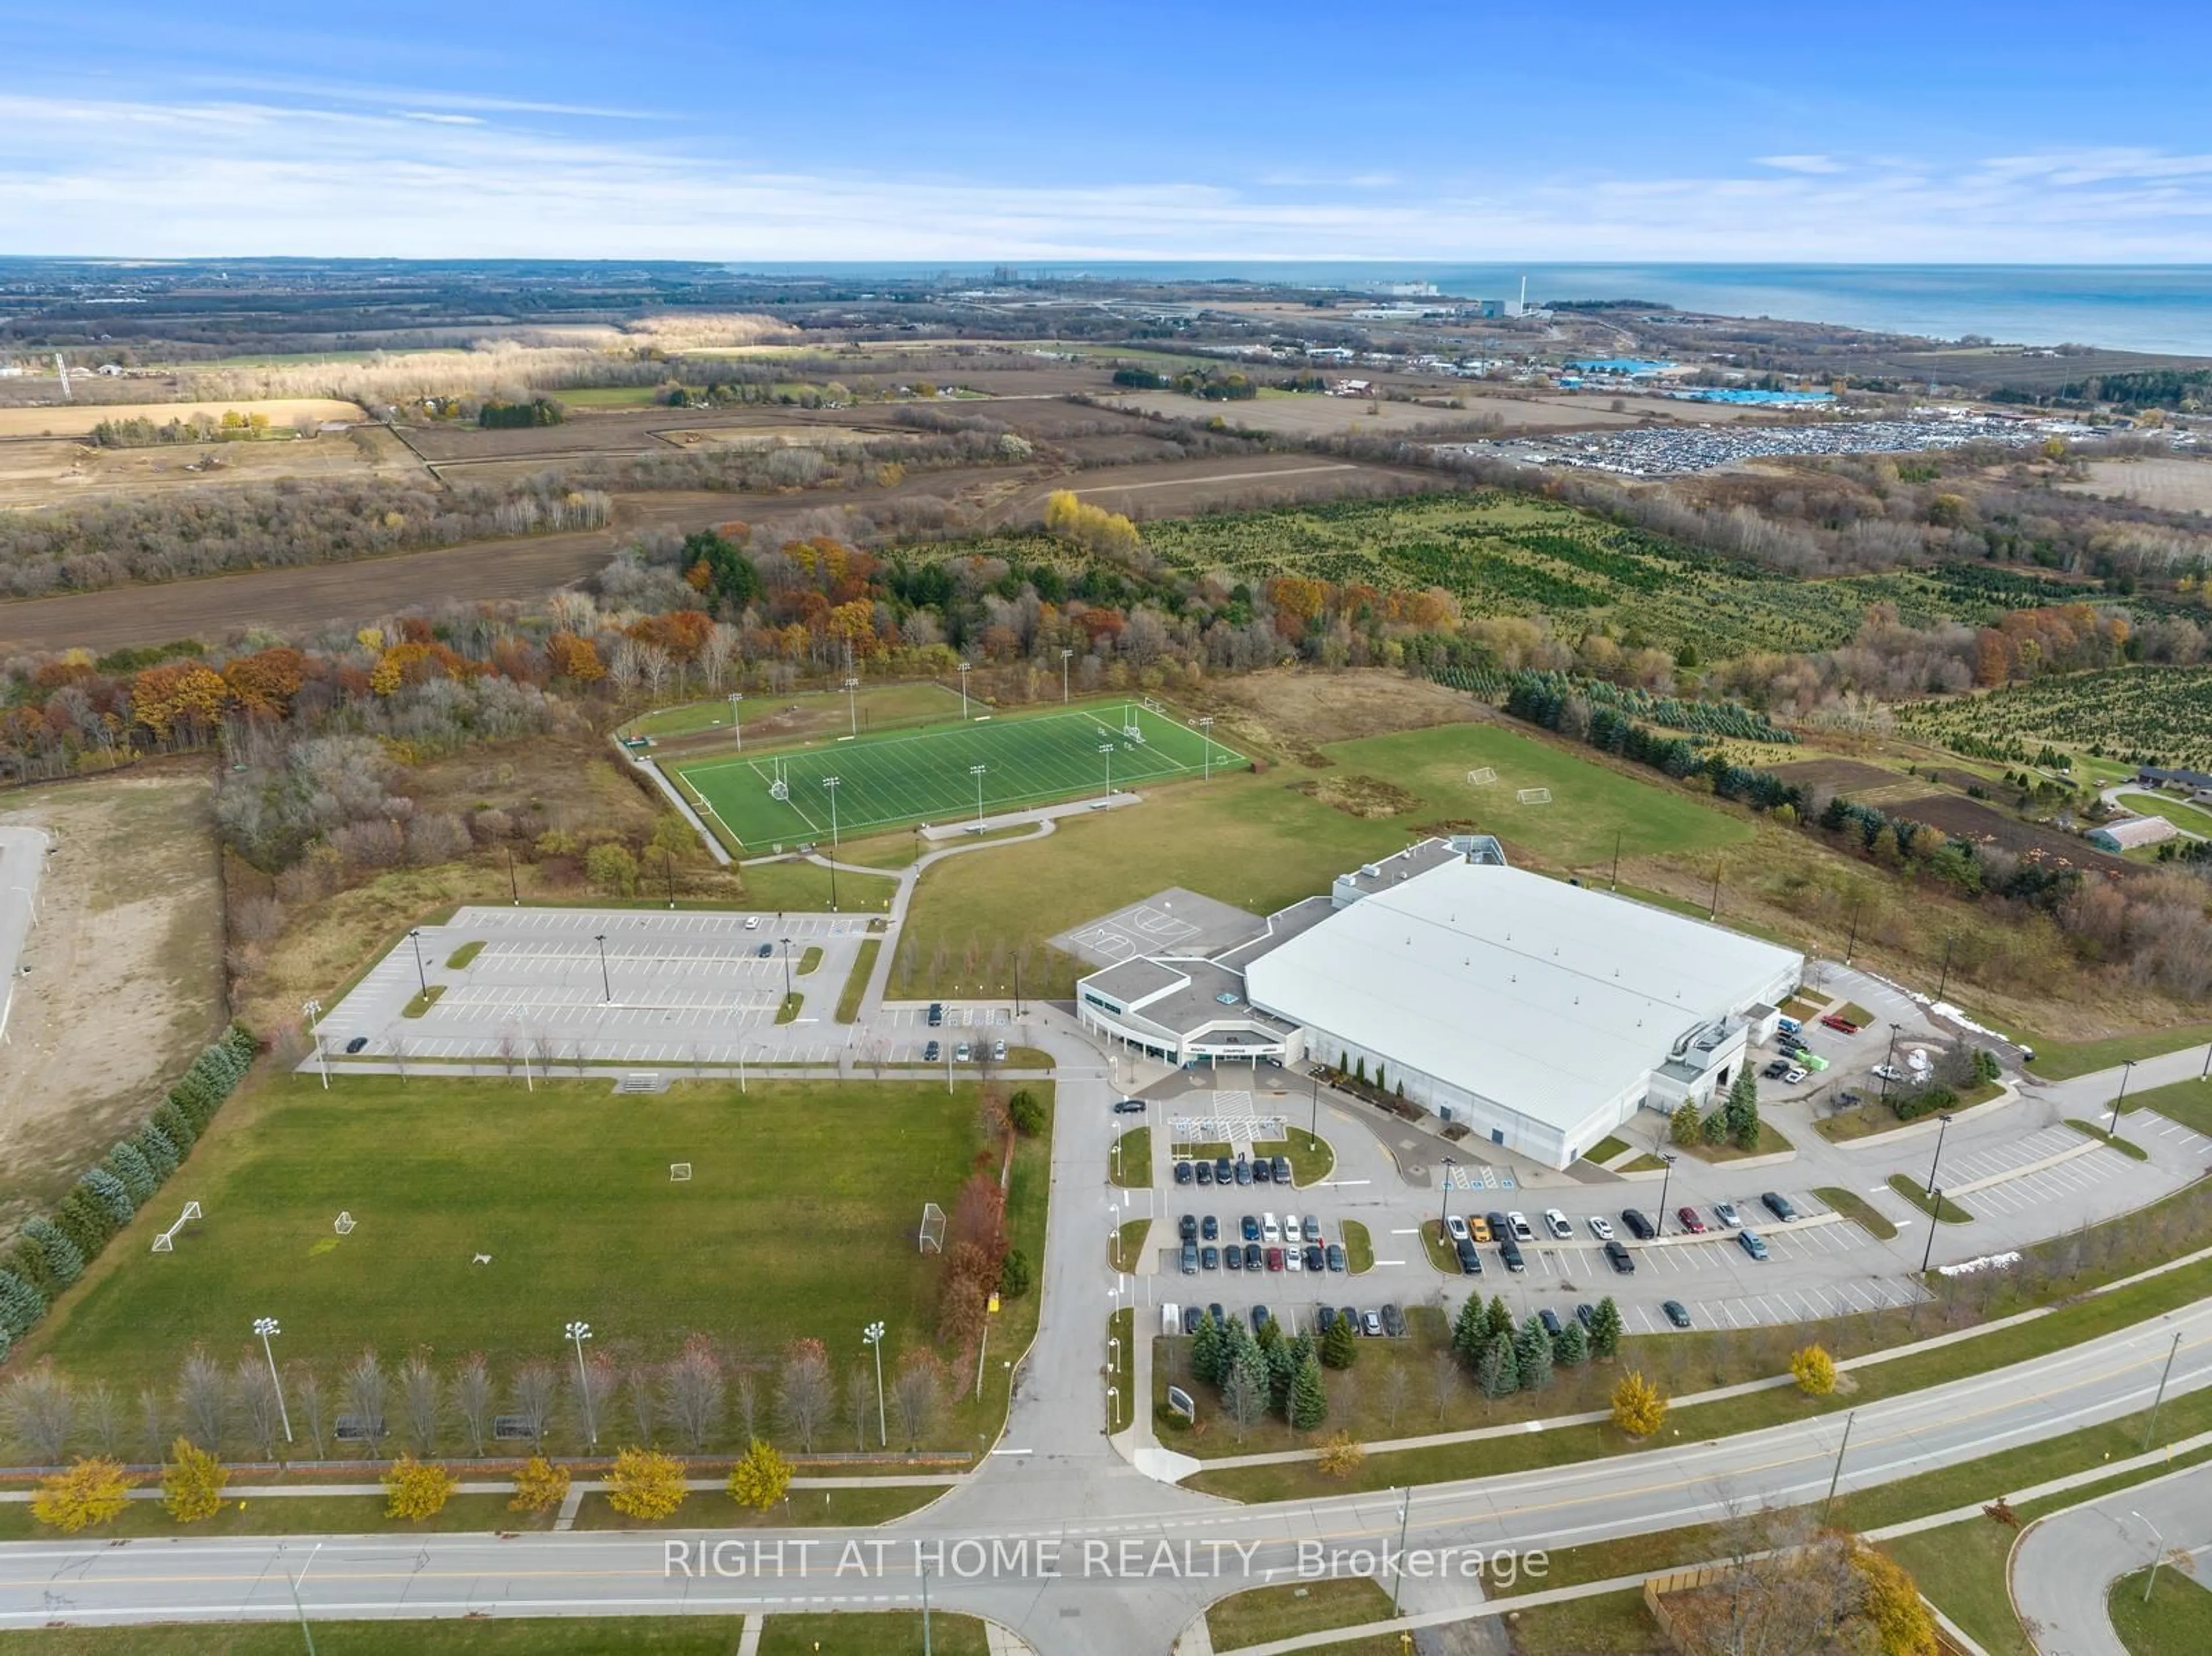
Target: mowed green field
{"points": [[799, 1219], [889, 781]]}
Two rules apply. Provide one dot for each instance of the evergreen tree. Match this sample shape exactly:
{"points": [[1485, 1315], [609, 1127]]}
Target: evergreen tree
{"points": [[1338, 1348], [1471, 1330], [1605, 1329], [22, 1304], [128, 1163], [1714, 1130], [1283, 1358], [1501, 1319], [1205, 1352], [1742, 1110], [1532, 1348], [1571, 1348], [1684, 1126], [1497, 1371], [1308, 1398]]}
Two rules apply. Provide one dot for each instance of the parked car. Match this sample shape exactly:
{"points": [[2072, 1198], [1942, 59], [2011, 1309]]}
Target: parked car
{"points": [[1691, 1223], [1556, 1223], [1183, 1173], [356, 1043], [1638, 1226], [1886, 1073], [1586, 1314], [1618, 1256], [1279, 1166], [1242, 1171], [1509, 1251], [1778, 1205], [1209, 1230], [752, 922], [1840, 1024], [1316, 1257], [1254, 1259], [1602, 1229], [1204, 1172], [1394, 1322], [1334, 1255], [1478, 1228], [1294, 1258], [1794, 1075], [931, 1052], [1522, 1231], [1324, 1318], [1232, 1257], [1262, 1170], [1259, 1318], [1726, 1213], [1274, 1258], [1187, 1228], [1788, 1026], [1371, 1323], [1470, 1259], [1214, 1311], [1209, 1258], [1779, 1068], [1190, 1259], [1455, 1227], [1550, 1318], [1753, 1243], [1249, 1228], [1495, 1224], [998, 1052], [1291, 1231], [936, 1014], [1311, 1231], [1224, 1173], [1271, 1228], [1676, 1314], [960, 1054], [1125, 1106], [765, 950]]}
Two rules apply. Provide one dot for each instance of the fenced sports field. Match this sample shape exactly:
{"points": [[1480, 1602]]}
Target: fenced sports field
{"points": [[928, 776]]}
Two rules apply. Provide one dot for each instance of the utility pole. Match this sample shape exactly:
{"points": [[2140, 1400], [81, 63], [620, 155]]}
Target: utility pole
{"points": [[1943, 978], [1616, 858], [1443, 1208], [668, 871], [292, 1582], [2157, 1553], [1852, 943], [2127, 1068], [1713, 912], [421, 978], [787, 968], [1935, 1207], [1398, 1576], [2171, 1351], [1665, 1179], [514, 891], [1889, 1064], [1836, 1476], [1943, 1125]]}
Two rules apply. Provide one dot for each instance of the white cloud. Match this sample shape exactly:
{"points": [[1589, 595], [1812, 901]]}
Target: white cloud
{"points": [[426, 179]]}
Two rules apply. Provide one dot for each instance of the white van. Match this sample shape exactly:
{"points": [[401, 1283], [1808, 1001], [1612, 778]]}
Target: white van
{"points": [[1269, 1230], [1171, 1319]]}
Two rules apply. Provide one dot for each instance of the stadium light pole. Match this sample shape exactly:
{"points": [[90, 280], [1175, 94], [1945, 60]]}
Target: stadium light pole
{"points": [[311, 1010], [853, 702], [578, 1333], [421, 977], [736, 730], [1106, 748], [606, 983], [1063, 655], [1206, 736], [1668, 1156], [2127, 1068], [964, 688], [831, 784], [1942, 1126], [977, 772], [873, 1334], [266, 1326]]}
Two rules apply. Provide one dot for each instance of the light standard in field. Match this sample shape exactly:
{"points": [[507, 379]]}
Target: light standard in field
{"points": [[267, 1328], [2127, 1068], [422, 978], [831, 784], [311, 1010], [787, 968], [1942, 1126], [1205, 734], [873, 1334], [964, 688], [578, 1333], [977, 772], [736, 696], [606, 983], [1668, 1156], [1106, 748], [1063, 655], [853, 702]]}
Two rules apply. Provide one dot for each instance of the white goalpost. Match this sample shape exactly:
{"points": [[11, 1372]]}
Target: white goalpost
{"points": [[1482, 778], [932, 1229], [167, 1241], [779, 788], [1534, 796]]}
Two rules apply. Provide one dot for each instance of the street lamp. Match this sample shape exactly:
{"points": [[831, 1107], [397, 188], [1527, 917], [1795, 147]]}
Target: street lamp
{"points": [[267, 1328], [977, 772], [1668, 1156], [873, 1334], [311, 1010], [578, 1333], [1106, 748], [2127, 1068], [2157, 1551], [787, 968], [421, 977], [963, 689], [1063, 655], [736, 696], [1398, 1576], [606, 983], [1935, 1207], [831, 784], [1943, 1126], [1443, 1209], [1205, 734]]}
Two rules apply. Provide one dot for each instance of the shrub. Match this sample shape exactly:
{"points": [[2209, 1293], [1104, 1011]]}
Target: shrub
{"points": [[90, 1492], [1026, 1113], [646, 1483], [137, 1175], [539, 1487], [173, 1122], [417, 1489], [760, 1479], [1338, 1349], [192, 1483], [1637, 1407], [22, 1305], [611, 867], [1815, 1371], [1016, 1277], [87, 1215], [160, 1150], [55, 1259], [1342, 1456]]}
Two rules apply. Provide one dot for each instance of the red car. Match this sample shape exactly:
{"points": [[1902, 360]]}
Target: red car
{"points": [[1838, 1021], [1691, 1223], [1274, 1258]]}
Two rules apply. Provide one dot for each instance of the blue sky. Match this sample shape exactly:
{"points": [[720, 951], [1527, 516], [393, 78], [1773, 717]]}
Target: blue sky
{"points": [[1949, 130]]}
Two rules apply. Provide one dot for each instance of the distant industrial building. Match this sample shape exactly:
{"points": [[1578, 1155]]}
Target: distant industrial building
{"points": [[2130, 833], [1540, 1014]]}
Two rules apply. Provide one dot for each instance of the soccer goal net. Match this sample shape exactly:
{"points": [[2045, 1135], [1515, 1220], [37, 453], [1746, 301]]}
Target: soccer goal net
{"points": [[779, 788], [1534, 796], [1483, 778], [932, 1229]]}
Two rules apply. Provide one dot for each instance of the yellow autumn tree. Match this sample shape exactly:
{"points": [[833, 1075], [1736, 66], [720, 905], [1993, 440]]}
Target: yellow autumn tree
{"points": [[91, 1491], [539, 1487], [760, 1479], [192, 1483], [1815, 1371], [646, 1483], [1638, 1408], [1894, 1607], [417, 1489], [1342, 1456]]}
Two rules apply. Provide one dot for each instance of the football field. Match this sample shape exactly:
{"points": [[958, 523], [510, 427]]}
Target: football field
{"points": [[939, 775]]}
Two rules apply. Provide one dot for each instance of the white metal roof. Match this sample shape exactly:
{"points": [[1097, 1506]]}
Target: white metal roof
{"points": [[1548, 999]]}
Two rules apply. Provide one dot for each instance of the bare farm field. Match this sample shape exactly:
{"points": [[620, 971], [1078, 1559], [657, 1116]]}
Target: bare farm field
{"points": [[2170, 484], [77, 419], [38, 471], [126, 976], [1307, 414], [1234, 483]]}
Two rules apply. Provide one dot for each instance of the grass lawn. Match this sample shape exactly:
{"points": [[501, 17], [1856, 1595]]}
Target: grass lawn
{"points": [[1960, 1569], [1942, 1207], [714, 1509], [2176, 1622], [1256, 842], [2189, 1102], [1359, 1247], [1605, 1150], [1262, 1615], [1770, 1143], [1607, 1625], [856, 981], [868, 1632], [2125, 1146], [800, 888], [505, 1636], [285, 1515], [2181, 815], [784, 716], [887, 780], [1437, 1243], [1131, 1165], [460, 957], [567, 1189], [1121, 1365], [1128, 1245], [2062, 1061], [422, 1000], [1873, 1117], [1856, 1209], [1312, 1159], [811, 958]]}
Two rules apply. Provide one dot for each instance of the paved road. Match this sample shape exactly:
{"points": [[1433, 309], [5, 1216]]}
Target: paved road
{"points": [[23, 859], [2065, 1565]]}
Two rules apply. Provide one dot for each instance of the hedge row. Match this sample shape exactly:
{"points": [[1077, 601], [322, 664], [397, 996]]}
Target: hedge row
{"points": [[52, 1251]]}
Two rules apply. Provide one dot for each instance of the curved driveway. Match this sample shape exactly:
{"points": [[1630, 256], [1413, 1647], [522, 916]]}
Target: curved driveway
{"points": [[2065, 1565]]}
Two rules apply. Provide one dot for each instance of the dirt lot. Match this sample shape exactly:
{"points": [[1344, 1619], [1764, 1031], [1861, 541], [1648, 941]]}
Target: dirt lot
{"points": [[1971, 819], [126, 979], [1845, 776], [1178, 487], [2172, 485], [1309, 416], [77, 419], [37, 471]]}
